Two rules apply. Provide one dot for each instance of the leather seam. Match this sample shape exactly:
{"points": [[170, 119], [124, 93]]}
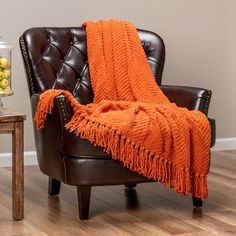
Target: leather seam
{"points": [[42, 57], [72, 45], [149, 59], [56, 81]]}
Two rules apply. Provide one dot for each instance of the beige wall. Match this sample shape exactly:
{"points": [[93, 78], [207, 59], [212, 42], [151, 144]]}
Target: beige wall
{"points": [[200, 38]]}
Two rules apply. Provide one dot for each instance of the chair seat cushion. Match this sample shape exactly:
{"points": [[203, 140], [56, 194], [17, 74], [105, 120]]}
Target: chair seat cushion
{"points": [[95, 172], [73, 145]]}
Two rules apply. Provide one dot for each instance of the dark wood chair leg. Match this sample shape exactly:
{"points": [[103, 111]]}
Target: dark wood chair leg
{"points": [[130, 186], [84, 193], [54, 186], [197, 202]]}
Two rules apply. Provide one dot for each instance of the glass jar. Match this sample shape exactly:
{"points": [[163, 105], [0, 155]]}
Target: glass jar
{"points": [[5, 68]]}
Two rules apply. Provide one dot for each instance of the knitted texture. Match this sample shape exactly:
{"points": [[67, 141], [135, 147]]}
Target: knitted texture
{"points": [[131, 118]]}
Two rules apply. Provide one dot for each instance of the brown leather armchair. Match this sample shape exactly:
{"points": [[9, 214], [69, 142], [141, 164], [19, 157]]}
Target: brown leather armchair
{"points": [[57, 58]]}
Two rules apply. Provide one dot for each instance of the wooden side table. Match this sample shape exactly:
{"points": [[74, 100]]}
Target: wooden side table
{"points": [[13, 122]]}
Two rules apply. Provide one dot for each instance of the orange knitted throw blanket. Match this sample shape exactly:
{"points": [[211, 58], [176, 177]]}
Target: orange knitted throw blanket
{"points": [[131, 118]]}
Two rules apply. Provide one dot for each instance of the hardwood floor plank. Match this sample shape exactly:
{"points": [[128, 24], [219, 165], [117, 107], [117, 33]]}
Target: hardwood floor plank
{"points": [[151, 209], [225, 216], [213, 225], [171, 225], [200, 233], [223, 179]]}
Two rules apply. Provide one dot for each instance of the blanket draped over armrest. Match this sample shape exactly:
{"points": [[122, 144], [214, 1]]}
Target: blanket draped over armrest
{"points": [[131, 118]]}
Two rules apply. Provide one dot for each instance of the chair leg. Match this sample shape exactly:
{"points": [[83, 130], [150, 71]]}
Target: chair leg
{"points": [[197, 202], [54, 186], [130, 186], [84, 193]]}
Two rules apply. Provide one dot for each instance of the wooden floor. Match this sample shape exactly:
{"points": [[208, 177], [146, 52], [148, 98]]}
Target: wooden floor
{"points": [[149, 210]]}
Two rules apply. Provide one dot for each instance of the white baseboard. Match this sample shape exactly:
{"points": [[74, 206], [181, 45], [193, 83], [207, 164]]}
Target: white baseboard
{"points": [[29, 159], [223, 144]]}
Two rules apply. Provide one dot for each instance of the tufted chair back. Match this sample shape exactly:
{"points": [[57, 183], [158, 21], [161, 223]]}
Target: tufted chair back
{"points": [[60, 59]]}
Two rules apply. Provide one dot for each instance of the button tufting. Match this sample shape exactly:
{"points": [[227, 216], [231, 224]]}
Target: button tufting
{"points": [[68, 45]]}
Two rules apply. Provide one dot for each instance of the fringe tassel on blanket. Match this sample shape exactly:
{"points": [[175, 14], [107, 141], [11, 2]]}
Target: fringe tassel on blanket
{"points": [[138, 159]]}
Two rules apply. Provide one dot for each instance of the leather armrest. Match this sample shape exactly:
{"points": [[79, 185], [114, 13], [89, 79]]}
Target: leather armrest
{"points": [[60, 103], [48, 140], [64, 108], [213, 131], [190, 97]]}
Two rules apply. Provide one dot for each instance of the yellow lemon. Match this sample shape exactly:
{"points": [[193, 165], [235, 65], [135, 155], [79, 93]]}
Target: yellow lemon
{"points": [[4, 63], [7, 90], [4, 83], [6, 74]]}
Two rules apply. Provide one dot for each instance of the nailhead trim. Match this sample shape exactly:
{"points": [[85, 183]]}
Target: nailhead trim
{"points": [[207, 102], [25, 55], [62, 107]]}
